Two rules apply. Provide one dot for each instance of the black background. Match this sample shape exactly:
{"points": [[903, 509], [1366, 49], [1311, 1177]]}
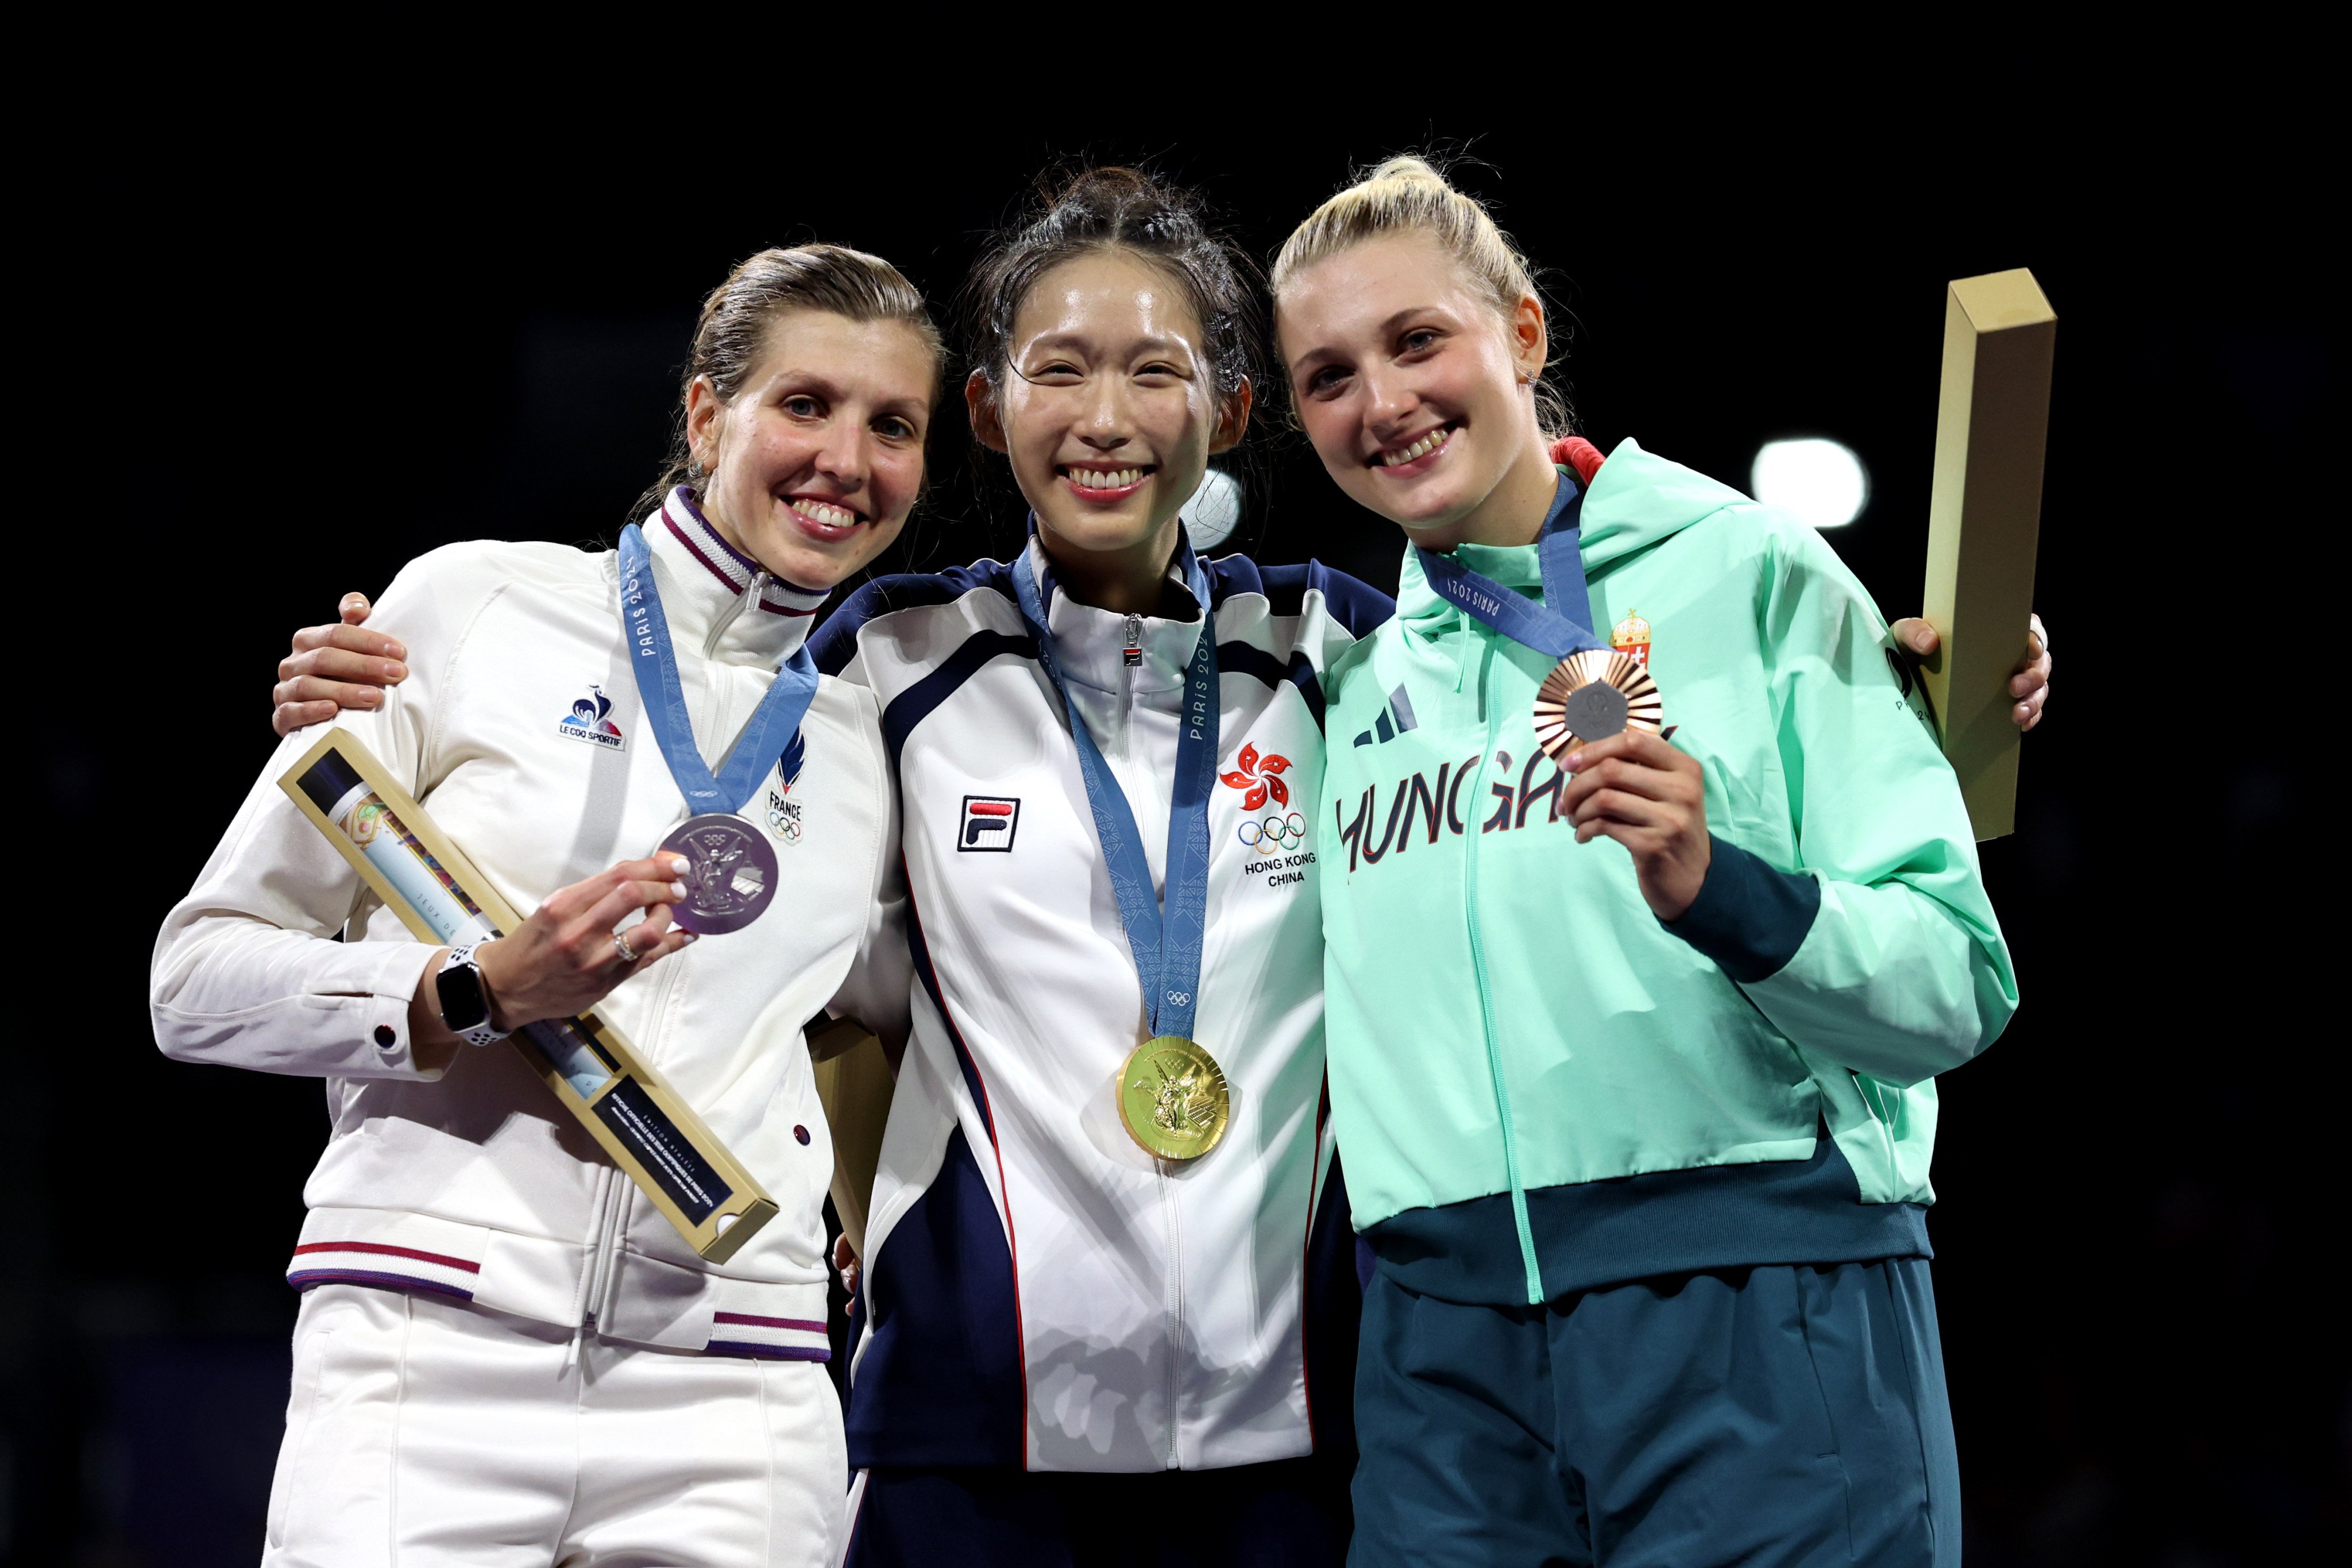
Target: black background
{"points": [[285, 325]]}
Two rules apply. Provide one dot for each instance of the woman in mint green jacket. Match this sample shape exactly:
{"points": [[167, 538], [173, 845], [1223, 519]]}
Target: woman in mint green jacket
{"points": [[1631, 1057]]}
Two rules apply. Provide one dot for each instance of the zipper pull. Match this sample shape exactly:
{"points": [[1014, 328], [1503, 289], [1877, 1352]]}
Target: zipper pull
{"points": [[1134, 651], [743, 601]]}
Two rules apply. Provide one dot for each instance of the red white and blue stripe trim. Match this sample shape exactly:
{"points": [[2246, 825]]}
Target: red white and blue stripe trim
{"points": [[730, 565], [383, 1266], [769, 1339]]}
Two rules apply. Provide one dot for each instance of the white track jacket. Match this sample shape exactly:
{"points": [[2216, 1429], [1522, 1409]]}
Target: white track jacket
{"points": [[1039, 1291], [520, 729]]}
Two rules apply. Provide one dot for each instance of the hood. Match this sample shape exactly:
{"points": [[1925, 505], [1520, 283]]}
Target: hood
{"points": [[1637, 500]]}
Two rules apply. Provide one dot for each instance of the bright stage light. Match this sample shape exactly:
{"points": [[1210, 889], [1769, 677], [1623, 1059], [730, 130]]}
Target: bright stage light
{"points": [[1821, 480], [1214, 510]]}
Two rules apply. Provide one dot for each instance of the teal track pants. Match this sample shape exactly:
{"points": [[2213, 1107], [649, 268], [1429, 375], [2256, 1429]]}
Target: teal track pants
{"points": [[1778, 1416]]}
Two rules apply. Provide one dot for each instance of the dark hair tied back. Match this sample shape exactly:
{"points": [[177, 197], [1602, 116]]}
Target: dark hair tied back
{"points": [[1118, 209]]}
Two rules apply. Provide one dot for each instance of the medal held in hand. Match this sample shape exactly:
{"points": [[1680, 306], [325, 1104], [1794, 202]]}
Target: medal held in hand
{"points": [[1594, 691], [731, 875], [619, 1100], [1172, 1094], [1591, 696]]}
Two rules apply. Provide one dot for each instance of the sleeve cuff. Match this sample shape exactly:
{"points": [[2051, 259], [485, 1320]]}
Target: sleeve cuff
{"points": [[382, 1014], [1748, 917]]}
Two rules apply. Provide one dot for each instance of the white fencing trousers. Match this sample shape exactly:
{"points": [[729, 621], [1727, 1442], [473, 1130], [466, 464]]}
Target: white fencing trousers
{"points": [[423, 1431]]}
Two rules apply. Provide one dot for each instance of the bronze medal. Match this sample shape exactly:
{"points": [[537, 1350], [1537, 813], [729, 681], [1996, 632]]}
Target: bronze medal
{"points": [[1591, 696], [1172, 1098]]}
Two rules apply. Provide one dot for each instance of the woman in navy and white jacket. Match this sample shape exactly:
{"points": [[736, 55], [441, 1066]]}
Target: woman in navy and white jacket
{"points": [[1070, 1344]]}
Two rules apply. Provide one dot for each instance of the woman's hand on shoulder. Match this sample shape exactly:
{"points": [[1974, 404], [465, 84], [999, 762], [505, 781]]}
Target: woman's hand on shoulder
{"points": [[844, 1263], [1637, 788], [2030, 683], [334, 667]]}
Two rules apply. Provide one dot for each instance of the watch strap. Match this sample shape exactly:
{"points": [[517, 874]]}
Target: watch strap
{"points": [[461, 960]]}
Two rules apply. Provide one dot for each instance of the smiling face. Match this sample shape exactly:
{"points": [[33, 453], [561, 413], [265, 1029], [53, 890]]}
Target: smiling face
{"points": [[815, 462], [1418, 395], [1108, 409]]}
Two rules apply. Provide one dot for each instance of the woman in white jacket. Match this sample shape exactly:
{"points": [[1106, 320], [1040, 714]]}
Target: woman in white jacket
{"points": [[505, 1354]]}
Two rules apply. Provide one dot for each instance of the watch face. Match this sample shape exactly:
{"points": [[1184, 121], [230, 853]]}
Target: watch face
{"points": [[463, 1005]]}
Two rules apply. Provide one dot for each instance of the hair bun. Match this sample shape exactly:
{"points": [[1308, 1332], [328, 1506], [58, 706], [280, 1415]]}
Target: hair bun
{"points": [[1408, 169], [1111, 209], [1112, 187], [1407, 195]]}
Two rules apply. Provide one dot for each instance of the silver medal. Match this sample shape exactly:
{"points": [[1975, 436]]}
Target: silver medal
{"points": [[730, 876]]}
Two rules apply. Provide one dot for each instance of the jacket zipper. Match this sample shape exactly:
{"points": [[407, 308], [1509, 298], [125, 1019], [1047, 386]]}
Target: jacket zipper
{"points": [[1486, 990], [593, 1305], [616, 1215], [613, 1192], [743, 601], [1131, 658], [715, 704], [1175, 1308]]}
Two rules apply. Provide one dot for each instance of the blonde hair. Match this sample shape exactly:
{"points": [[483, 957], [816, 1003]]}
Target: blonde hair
{"points": [[1408, 194]]}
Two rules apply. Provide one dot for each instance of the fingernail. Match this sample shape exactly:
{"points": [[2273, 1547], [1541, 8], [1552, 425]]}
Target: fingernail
{"points": [[398, 651], [690, 939], [371, 699], [678, 889], [678, 864], [394, 671], [1575, 761]]}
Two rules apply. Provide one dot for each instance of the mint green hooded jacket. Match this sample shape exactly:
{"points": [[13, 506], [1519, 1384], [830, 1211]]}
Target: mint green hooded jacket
{"points": [[1539, 1087]]}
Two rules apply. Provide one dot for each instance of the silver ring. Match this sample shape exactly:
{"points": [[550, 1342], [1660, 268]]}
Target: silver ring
{"points": [[621, 945]]}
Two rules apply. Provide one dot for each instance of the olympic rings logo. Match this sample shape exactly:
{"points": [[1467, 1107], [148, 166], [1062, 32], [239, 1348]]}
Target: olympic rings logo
{"points": [[1274, 834]]}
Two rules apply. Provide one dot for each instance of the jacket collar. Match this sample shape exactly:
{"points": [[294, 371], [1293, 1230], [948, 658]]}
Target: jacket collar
{"points": [[1092, 644], [1635, 500], [1422, 611], [707, 585]]}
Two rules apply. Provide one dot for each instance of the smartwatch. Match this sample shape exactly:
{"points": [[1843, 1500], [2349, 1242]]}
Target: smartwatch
{"points": [[465, 1000]]}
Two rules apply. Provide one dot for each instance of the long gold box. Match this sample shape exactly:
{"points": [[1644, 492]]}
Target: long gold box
{"points": [[426, 880], [1984, 525]]}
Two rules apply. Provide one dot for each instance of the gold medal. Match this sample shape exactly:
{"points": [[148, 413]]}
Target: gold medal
{"points": [[1173, 1099], [1591, 696]]}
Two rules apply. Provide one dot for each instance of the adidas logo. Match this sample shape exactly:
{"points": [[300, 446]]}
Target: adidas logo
{"points": [[1394, 720]]}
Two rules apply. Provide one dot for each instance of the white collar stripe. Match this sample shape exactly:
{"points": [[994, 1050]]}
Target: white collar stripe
{"points": [[730, 565]]}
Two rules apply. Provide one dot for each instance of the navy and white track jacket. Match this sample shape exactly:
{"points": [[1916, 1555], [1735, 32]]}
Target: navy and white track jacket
{"points": [[1039, 1291]]}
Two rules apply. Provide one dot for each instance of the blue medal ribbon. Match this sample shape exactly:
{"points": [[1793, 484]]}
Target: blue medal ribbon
{"points": [[1167, 946], [762, 739], [1562, 623]]}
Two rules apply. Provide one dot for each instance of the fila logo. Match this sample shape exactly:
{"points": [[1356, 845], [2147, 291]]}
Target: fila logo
{"points": [[988, 822]]}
